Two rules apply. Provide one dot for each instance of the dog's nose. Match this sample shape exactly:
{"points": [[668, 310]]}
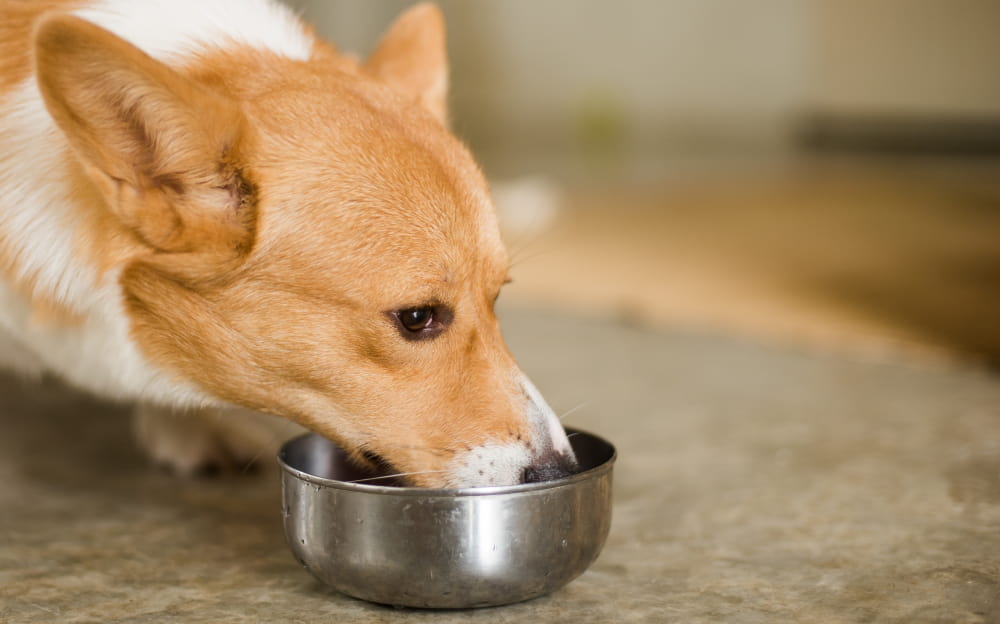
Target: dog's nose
{"points": [[549, 467]]}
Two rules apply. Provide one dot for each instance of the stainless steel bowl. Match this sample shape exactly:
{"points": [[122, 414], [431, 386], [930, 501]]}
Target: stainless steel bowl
{"points": [[463, 548]]}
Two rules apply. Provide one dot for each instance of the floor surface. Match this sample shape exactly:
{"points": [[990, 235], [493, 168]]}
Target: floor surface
{"points": [[754, 484]]}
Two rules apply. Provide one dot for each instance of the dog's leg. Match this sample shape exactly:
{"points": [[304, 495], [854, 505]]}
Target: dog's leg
{"points": [[208, 440], [16, 358]]}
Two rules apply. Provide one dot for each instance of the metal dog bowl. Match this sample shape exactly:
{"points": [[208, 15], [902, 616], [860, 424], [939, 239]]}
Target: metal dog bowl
{"points": [[462, 548]]}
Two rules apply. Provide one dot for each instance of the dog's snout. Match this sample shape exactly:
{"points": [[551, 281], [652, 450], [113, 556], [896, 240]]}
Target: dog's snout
{"points": [[549, 467]]}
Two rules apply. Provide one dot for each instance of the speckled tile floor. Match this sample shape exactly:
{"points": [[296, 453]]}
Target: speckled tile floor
{"points": [[754, 484]]}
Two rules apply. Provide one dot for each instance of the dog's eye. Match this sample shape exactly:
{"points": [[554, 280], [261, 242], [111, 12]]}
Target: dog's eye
{"points": [[416, 319], [422, 322]]}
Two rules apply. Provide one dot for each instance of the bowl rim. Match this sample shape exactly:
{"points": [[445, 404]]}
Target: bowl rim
{"points": [[492, 490]]}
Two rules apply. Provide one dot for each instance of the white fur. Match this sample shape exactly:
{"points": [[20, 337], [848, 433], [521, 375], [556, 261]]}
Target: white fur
{"points": [[504, 464], [490, 464], [168, 28], [544, 421], [36, 214]]}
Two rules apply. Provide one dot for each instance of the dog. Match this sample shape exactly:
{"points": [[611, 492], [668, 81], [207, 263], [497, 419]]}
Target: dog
{"points": [[207, 210]]}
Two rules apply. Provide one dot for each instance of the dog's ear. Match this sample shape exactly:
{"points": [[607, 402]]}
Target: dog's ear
{"points": [[162, 149], [411, 58]]}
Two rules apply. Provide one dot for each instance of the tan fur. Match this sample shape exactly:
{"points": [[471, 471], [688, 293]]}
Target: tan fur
{"points": [[332, 257], [161, 149], [268, 214], [17, 20], [411, 59]]}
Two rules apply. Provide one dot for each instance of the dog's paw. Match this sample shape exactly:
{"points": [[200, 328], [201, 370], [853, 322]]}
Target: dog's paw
{"points": [[208, 441]]}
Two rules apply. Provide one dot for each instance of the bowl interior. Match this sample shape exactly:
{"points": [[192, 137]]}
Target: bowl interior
{"points": [[319, 458]]}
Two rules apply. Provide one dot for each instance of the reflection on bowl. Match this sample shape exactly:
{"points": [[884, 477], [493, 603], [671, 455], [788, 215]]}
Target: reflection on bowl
{"points": [[443, 548]]}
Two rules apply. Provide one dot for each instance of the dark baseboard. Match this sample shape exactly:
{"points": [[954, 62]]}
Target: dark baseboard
{"points": [[892, 134]]}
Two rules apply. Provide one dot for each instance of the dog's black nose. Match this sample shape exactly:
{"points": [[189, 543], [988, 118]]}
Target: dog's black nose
{"points": [[549, 467]]}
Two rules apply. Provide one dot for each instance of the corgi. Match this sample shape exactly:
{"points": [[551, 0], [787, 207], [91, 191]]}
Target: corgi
{"points": [[208, 211]]}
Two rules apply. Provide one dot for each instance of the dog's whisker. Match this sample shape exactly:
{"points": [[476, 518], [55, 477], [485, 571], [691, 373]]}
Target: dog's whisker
{"points": [[276, 437], [250, 462], [574, 409], [425, 449], [398, 474], [525, 258], [530, 246], [520, 247]]}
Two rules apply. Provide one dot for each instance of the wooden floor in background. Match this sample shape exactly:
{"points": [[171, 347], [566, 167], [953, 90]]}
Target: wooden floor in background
{"points": [[860, 255]]}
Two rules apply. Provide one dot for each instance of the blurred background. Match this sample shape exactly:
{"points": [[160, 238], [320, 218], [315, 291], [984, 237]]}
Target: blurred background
{"points": [[814, 172]]}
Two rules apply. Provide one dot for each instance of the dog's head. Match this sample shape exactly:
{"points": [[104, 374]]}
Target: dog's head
{"points": [[308, 239]]}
